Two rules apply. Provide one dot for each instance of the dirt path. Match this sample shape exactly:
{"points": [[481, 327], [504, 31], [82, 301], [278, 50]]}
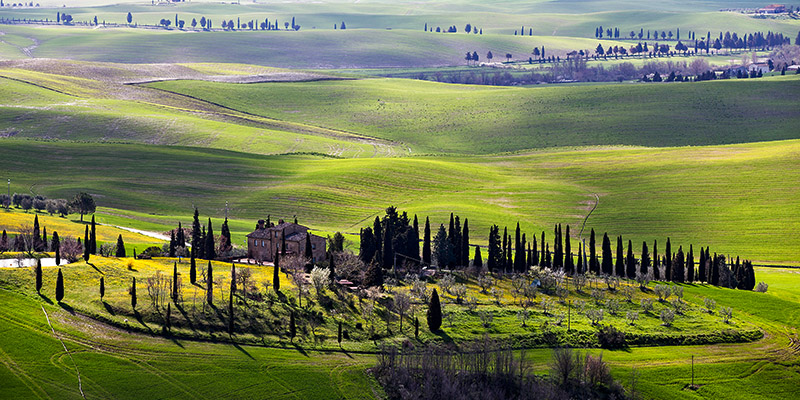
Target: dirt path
{"points": [[154, 235]]}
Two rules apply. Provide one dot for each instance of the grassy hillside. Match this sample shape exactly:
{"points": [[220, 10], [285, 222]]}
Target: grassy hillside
{"points": [[470, 119], [721, 196]]}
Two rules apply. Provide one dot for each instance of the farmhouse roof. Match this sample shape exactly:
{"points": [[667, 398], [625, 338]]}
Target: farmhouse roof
{"points": [[265, 232]]}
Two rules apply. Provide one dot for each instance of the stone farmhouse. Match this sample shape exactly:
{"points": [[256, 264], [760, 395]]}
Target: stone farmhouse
{"points": [[265, 240]]}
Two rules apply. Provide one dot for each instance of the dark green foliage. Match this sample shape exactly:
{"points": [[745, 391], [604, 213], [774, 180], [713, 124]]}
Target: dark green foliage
{"points": [[678, 266], [701, 268], [175, 282], [59, 286], [594, 266], [569, 264], [37, 236], [120, 247], [102, 287], [608, 263], [44, 239], [225, 243], [336, 243], [374, 275], [465, 243], [308, 253], [133, 294], [543, 257], [610, 337], [172, 243], [196, 234], [434, 312], [86, 245], [210, 284], [715, 269], [192, 269], [416, 328], [210, 251], [630, 262], [619, 267], [558, 249], [368, 246], [377, 231], [56, 246], [332, 267], [442, 248], [534, 258], [180, 238], [276, 278], [414, 243], [38, 273], [656, 271], [292, 326], [579, 270], [690, 265], [388, 248], [84, 203], [503, 265]]}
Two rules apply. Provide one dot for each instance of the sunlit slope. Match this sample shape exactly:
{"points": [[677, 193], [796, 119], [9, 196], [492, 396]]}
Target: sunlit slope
{"points": [[433, 117]]}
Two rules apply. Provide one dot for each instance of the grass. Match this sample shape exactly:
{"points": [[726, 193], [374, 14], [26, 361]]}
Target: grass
{"points": [[719, 196], [469, 119]]}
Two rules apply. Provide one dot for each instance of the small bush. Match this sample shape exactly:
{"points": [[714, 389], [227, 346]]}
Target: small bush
{"points": [[710, 304], [667, 317], [761, 287], [647, 305], [632, 316], [610, 337], [594, 315], [726, 313]]}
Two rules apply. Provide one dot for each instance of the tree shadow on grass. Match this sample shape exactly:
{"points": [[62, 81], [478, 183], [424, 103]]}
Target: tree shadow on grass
{"points": [[46, 299], [444, 336], [67, 308], [95, 268], [138, 317], [299, 349], [185, 317], [108, 308], [240, 348]]}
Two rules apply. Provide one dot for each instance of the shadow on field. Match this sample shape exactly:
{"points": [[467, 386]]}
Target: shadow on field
{"points": [[67, 308], [300, 349], [141, 321], [236, 345], [185, 317], [108, 308], [95, 268], [46, 299]]}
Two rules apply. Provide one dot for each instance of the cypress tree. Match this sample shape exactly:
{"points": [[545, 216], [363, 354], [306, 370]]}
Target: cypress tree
{"points": [[196, 236], [168, 318], [534, 259], [225, 232], [276, 278], [434, 312], [690, 265], [102, 288], [568, 262], [558, 256], [192, 269], [677, 266], [201, 248], [416, 328], [645, 263], [465, 243], [668, 262], [751, 276], [630, 262], [426, 243], [292, 327], [594, 266], [543, 258], [374, 275], [56, 245], [518, 267], [121, 247], [331, 267], [656, 271], [44, 239], [37, 238], [210, 251], [175, 282], [715, 270], [93, 237], [451, 232], [180, 237], [339, 334], [388, 249], [457, 259], [308, 252], [377, 230], [210, 284], [86, 245], [367, 246], [549, 260], [477, 262], [59, 286], [619, 269], [493, 251], [503, 253], [523, 254], [579, 270], [38, 276], [701, 268], [133, 294], [172, 243], [608, 262], [414, 242]]}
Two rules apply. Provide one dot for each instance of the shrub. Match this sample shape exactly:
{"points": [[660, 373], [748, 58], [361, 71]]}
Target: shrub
{"points": [[459, 291], [677, 291], [598, 295], [594, 315], [667, 317], [710, 304], [447, 282], [632, 316], [679, 305], [610, 337], [547, 306], [627, 292], [726, 313], [471, 303], [761, 287], [647, 305], [663, 292], [612, 305]]}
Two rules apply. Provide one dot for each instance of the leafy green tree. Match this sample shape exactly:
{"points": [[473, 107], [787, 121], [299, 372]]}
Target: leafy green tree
{"points": [[434, 312], [367, 246], [225, 243], [59, 286], [83, 203], [120, 247], [56, 246], [38, 273]]}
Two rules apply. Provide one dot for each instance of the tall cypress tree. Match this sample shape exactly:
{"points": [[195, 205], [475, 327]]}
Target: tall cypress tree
{"points": [[93, 237], [715, 270], [534, 259], [377, 230], [465, 243], [210, 252], [87, 247], [133, 294], [38, 276], [457, 259], [102, 288], [690, 265], [594, 266], [619, 267], [276, 278], [477, 262], [180, 237], [503, 253], [558, 254], [414, 245], [677, 266], [388, 248], [701, 268], [56, 245], [569, 264], [37, 237], [668, 262], [426, 243], [172, 243], [196, 235], [210, 284], [434, 312], [608, 261], [192, 269], [518, 257], [367, 246], [45, 247], [59, 286], [120, 247], [579, 270], [225, 236], [543, 258], [492, 252], [656, 270], [175, 283], [645, 264], [309, 253], [630, 262]]}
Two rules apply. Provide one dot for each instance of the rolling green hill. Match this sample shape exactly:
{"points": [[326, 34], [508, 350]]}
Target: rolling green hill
{"points": [[433, 117], [739, 199]]}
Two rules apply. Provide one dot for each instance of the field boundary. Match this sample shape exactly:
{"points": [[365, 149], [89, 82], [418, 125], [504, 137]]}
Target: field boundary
{"points": [[80, 384]]}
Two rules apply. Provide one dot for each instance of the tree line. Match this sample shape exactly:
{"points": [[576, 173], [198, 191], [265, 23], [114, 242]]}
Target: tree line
{"points": [[469, 28]]}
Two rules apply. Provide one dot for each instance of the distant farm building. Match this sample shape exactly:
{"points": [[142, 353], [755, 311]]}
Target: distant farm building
{"points": [[759, 67], [772, 9], [263, 242]]}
